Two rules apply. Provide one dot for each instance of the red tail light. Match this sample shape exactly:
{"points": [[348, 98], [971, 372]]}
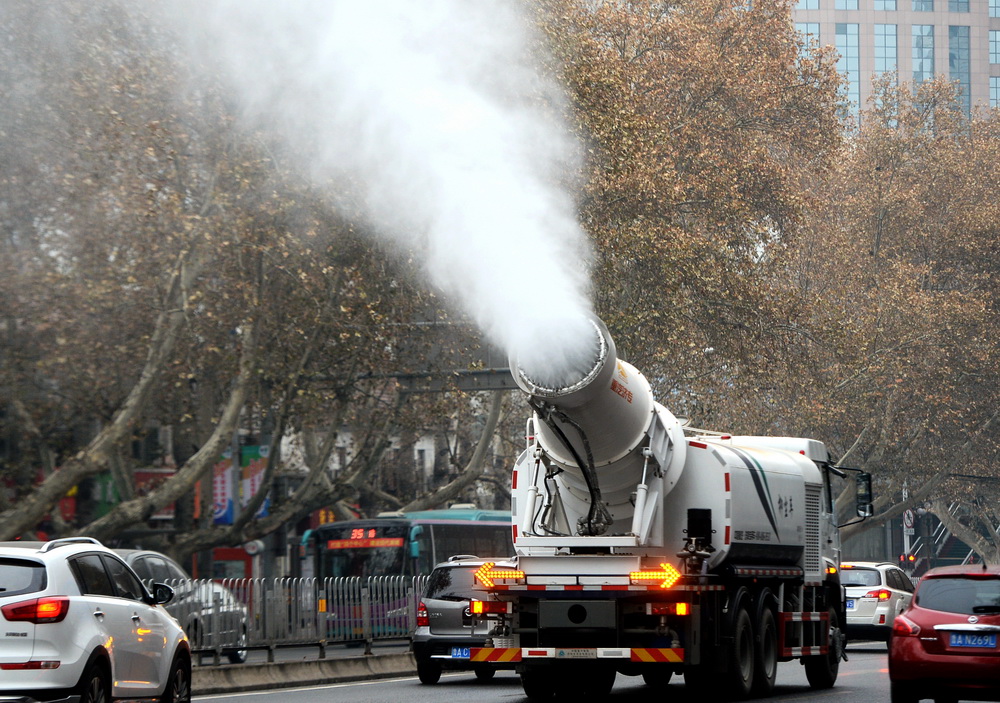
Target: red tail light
{"points": [[423, 620], [881, 594], [38, 610], [903, 627]]}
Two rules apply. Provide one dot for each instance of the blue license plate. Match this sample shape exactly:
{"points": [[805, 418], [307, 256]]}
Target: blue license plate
{"points": [[850, 604], [460, 652], [972, 639]]}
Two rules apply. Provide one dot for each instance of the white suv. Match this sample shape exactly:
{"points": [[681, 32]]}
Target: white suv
{"points": [[78, 626], [876, 593]]}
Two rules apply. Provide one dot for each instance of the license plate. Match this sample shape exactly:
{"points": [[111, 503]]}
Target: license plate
{"points": [[972, 639], [850, 604], [460, 652]]}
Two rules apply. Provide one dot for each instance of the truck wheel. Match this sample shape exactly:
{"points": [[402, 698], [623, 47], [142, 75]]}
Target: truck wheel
{"points": [[429, 672], [742, 657], [821, 670], [538, 685], [765, 668]]}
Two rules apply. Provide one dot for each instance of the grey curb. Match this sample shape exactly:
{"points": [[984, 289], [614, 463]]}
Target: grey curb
{"points": [[252, 677]]}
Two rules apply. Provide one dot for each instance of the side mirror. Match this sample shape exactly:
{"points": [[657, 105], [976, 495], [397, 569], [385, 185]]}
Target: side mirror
{"points": [[415, 532], [863, 491], [162, 593]]}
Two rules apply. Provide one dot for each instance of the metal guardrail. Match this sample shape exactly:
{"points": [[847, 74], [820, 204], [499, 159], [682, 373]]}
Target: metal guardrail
{"points": [[226, 618]]}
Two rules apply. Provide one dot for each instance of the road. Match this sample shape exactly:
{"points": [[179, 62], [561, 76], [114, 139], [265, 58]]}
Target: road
{"points": [[862, 679]]}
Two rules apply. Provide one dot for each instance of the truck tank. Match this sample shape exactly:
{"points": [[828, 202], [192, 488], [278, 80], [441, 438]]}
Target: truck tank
{"points": [[609, 470]]}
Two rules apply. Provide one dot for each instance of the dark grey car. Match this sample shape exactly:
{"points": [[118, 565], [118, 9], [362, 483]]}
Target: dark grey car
{"points": [[446, 632]]}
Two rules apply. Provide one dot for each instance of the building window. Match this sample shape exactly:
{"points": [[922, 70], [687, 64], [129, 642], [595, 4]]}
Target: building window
{"points": [[994, 91], [958, 5], [994, 8], [845, 4], [809, 31], [890, 5], [849, 63], [958, 64], [923, 5], [995, 46], [885, 48], [809, 5], [923, 52]]}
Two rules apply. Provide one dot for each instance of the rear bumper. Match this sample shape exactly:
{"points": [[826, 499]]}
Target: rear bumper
{"points": [[9, 698]]}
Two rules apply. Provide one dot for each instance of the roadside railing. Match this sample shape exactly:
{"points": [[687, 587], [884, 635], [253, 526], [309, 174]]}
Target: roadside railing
{"points": [[224, 619]]}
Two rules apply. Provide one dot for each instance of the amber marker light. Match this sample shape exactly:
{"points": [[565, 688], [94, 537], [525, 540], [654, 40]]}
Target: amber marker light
{"points": [[485, 607], [486, 574], [667, 576]]}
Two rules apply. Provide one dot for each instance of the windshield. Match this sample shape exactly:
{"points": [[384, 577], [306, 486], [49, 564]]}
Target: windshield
{"points": [[966, 596], [375, 550], [852, 576], [453, 583]]}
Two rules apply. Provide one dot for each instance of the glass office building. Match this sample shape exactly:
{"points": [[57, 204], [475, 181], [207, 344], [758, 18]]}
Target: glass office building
{"points": [[918, 39]]}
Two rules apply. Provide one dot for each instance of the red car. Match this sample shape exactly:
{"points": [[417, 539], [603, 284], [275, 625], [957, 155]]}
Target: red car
{"points": [[945, 645]]}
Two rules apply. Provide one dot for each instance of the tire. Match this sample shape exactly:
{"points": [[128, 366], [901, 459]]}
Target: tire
{"points": [[484, 673], [822, 670], [239, 656], [429, 672], [586, 683], [900, 692], [178, 688], [94, 686], [766, 652], [739, 680], [538, 685]]}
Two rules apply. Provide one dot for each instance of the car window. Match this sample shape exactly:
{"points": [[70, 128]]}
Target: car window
{"points": [[907, 583], [452, 583], [855, 576], [91, 576], [126, 584], [960, 595], [19, 576], [892, 577], [152, 568], [175, 571]]}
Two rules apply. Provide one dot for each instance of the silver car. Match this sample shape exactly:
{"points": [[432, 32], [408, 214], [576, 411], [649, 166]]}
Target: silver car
{"points": [[446, 632], [210, 613], [876, 593]]}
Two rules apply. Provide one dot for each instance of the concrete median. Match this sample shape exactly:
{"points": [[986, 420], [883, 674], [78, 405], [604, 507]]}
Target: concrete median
{"points": [[249, 677]]}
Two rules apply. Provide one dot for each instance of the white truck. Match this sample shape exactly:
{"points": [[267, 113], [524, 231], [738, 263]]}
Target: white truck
{"points": [[643, 548]]}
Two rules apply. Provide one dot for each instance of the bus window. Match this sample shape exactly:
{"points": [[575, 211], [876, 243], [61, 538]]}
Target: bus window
{"points": [[349, 550], [484, 541]]}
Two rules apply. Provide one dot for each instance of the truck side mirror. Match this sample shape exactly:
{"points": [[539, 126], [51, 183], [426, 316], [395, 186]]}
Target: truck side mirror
{"points": [[863, 491]]}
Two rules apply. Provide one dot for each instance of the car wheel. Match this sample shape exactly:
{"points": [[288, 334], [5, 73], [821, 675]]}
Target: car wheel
{"points": [[900, 692], [239, 656], [178, 688], [429, 672], [484, 673], [93, 686]]}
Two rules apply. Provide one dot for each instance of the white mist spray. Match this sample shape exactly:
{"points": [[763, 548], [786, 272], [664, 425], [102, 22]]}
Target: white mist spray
{"points": [[437, 114]]}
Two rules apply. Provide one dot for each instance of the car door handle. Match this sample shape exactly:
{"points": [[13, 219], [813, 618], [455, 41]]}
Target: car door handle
{"points": [[98, 613], [136, 618]]}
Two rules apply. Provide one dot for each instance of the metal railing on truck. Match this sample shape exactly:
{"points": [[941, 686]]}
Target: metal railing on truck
{"points": [[226, 618]]}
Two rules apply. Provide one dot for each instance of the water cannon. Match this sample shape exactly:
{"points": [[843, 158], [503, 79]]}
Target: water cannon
{"points": [[592, 420]]}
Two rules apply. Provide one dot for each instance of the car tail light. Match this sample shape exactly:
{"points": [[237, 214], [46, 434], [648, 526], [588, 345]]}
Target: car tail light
{"points": [[881, 594], [903, 627], [423, 619], [38, 610], [30, 666]]}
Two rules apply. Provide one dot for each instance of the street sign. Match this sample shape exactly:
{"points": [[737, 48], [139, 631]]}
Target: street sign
{"points": [[908, 519]]}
